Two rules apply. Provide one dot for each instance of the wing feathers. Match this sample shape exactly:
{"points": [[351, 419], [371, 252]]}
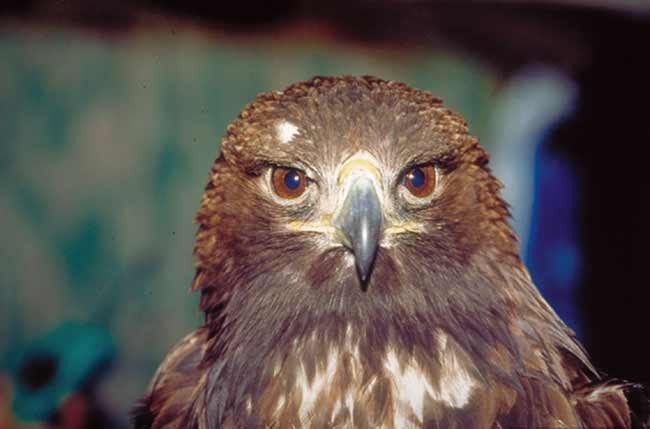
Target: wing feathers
{"points": [[177, 387]]}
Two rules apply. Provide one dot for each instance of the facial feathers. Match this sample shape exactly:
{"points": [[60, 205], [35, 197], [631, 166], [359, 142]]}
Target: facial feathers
{"points": [[357, 269]]}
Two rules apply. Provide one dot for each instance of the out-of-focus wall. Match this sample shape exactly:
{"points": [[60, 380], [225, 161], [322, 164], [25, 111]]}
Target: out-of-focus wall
{"points": [[106, 143]]}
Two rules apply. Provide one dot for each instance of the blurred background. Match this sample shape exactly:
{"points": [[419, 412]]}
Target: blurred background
{"points": [[111, 115]]}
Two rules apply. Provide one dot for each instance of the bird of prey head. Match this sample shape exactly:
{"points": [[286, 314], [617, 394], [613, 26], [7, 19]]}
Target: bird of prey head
{"points": [[357, 269]]}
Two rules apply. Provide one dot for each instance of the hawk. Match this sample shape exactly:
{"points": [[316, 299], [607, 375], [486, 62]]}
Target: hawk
{"points": [[357, 269]]}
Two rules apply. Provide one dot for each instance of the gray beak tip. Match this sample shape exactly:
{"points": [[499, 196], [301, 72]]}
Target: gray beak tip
{"points": [[364, 256], [363, 275]]}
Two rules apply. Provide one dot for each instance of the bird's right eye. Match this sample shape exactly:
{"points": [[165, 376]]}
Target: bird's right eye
{"points": [[421, 180], [288, 183]]}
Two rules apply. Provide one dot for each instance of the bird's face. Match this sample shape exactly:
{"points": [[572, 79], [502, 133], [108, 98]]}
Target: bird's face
{"points": [[352, 187], [356, 204], [359, 203]]}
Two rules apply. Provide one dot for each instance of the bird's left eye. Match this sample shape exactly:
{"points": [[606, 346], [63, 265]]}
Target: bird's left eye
{"points": [[421, 180], [288, 183]]}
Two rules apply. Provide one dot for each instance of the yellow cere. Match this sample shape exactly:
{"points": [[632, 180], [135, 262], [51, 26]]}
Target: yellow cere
{"points": [[358, 164]]}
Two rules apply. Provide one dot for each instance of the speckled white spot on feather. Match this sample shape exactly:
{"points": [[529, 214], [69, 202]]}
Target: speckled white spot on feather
{"points": [[310, 391], [276, 368], [410, 384], [456, 384], [349, 402], [285, 131], [442, 341], [325, 375], [280, 404], [336, 410]]}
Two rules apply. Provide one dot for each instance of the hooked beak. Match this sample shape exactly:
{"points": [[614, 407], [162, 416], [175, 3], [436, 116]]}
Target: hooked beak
{"points": [[359, 222]]}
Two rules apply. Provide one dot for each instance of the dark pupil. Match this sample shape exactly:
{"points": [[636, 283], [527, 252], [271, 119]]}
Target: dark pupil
{"points": [[292, 179], [416, 176]]}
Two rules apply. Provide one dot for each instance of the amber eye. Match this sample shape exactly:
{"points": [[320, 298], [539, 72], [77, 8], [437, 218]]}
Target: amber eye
{"points": [[421, 180], [288, 183]]}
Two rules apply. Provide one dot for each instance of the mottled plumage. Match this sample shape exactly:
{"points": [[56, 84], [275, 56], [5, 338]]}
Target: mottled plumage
{"points": [[439, 325]]}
